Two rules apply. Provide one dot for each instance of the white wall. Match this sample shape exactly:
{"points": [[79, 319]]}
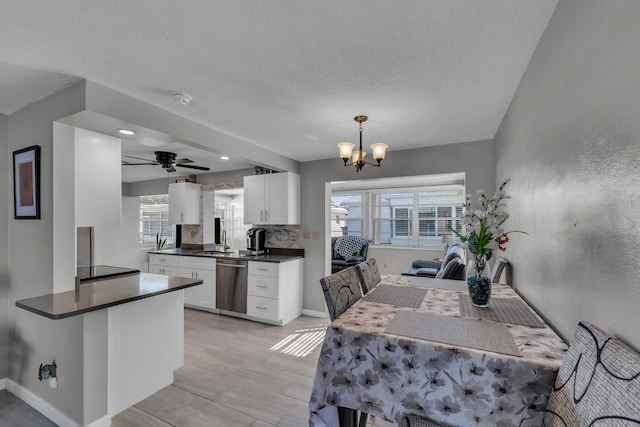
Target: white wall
{"points": [[118, 245], [476, 159], [6, 180], [34, 339], [571, 142]]}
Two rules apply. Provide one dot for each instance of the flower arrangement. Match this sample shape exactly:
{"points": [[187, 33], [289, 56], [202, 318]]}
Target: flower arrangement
{"points": [[484, 232]]}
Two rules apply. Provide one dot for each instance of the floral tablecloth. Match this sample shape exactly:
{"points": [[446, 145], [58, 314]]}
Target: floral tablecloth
{"points": [[387, 376]]}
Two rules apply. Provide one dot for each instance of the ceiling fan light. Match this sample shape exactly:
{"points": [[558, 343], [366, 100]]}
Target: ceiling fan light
{"points": [[345, 150], [378, 150]]}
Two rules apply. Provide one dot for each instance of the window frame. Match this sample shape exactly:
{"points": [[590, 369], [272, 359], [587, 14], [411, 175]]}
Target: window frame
{"points": [[372, 226]]}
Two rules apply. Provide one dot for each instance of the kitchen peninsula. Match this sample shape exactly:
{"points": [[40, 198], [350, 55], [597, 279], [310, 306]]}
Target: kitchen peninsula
{"points": [[133, 327]]}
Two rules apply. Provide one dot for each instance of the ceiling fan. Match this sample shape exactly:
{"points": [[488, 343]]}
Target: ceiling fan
{"points": [[167, 160]]}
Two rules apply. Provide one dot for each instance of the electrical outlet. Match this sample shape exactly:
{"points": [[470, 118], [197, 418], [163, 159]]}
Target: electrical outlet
{"points": [[47, 371]]}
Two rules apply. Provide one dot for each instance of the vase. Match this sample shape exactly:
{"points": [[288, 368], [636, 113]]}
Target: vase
{"points": [[479, 290]]}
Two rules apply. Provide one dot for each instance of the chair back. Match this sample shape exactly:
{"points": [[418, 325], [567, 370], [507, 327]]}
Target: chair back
{"points": [[369, 275], [497, 269], [341, 290], [598, 383], [453, 270]]}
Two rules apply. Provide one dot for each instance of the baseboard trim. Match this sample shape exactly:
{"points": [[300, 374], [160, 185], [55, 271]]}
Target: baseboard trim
{"points": [[45, 408], [314, 313], [39, 404]]}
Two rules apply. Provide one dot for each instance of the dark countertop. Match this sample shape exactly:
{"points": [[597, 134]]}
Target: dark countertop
{"points": [[273, 255], [105, 293]]}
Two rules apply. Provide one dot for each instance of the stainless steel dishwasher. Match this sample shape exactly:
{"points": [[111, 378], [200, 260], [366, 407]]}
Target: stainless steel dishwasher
{"points": [[231, 285]]}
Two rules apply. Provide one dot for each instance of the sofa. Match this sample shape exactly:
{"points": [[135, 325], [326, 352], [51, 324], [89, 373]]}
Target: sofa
{"points": [[340, 259], [452, 266]]}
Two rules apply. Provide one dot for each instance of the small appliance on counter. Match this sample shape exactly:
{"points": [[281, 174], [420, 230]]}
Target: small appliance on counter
{"points": [[256, 238]]}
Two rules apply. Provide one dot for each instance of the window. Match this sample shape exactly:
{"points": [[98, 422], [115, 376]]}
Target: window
{"points": [[411, 216], [154, 220]]}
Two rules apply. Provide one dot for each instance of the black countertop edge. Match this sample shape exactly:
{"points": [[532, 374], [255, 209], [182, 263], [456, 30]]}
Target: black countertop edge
{"points": [[276, 255], [24, 305]]}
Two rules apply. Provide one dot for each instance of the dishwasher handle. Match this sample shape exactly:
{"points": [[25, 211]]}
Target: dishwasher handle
{"points": [[232, 265]]}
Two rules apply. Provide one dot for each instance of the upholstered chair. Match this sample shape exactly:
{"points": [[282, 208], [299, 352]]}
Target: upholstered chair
{"points": [[369, 275], [341, 291], [598, 383]]}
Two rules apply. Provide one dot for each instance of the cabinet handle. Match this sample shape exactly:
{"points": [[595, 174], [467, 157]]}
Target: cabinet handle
{"points": [[262, 269], [261, 308], [266, 215], [192, 274], [181, 217], [162, 260], [261, 286], [196, 274]]}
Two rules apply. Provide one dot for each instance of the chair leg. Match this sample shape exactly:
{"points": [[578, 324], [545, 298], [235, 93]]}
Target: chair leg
{"points": [[347, 417], [363, 419]]}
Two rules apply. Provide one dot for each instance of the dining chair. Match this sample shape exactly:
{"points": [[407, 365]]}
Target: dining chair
{"points": [[497, 269], [597, 384], [341, 290], [369, 275]]}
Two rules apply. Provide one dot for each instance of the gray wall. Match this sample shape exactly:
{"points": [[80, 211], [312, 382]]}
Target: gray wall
{"points": [[34, 339], [475, 158], [6, 172], [570, 141]]}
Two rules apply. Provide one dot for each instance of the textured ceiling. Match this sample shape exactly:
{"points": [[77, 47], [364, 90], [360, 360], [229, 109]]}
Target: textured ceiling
{"points": [[286, 75]]}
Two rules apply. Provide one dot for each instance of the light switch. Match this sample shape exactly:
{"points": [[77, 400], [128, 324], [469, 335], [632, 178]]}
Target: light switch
{"points": [[315, 235], [306, 235]]}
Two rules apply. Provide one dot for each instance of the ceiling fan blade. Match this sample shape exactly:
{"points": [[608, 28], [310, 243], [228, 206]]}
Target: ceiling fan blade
{"points": [[181, 161], [202, 168], [138, 164], [137, 158], [171, 169]]}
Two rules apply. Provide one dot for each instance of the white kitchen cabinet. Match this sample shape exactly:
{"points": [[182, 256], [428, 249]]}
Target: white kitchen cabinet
{"points": [[184, 203], [201, 296], [98, 183], [272, 199], [203, 268], [164, 264], [274, 291]]}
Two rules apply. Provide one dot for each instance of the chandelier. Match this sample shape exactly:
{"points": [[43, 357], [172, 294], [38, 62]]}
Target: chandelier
{"points": [[357, 157]]}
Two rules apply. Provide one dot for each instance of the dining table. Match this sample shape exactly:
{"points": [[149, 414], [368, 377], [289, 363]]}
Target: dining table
{"points": [[416, 345]]}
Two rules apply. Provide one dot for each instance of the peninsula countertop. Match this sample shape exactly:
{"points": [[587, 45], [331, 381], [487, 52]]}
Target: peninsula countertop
{"points": [[101, 294]]}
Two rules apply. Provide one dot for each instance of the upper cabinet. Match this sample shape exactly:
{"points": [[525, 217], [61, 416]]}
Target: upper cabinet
{"points": [[272, 198], [184, 203], [97, 176]]}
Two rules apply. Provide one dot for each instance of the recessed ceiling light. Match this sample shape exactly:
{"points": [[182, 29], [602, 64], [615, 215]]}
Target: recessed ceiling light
{"points": [[224, 158], [126, 132]]}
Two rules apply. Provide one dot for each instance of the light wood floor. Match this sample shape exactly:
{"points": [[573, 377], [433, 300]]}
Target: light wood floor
{"points": [[236, 373]]}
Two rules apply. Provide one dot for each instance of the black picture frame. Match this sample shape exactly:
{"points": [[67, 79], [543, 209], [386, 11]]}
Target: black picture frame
{"points": [[26, 183]]}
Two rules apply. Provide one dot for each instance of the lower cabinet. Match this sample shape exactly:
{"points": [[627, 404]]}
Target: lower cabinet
{"points": [[274, 291], [202, 296], [164, 264]]}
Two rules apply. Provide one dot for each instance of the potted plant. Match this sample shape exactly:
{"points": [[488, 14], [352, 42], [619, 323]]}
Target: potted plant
{"points": [[160, 242], [483, 235]]}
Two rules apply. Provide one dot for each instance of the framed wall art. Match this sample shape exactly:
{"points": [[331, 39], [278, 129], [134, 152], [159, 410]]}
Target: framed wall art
{"points": [[26, 183]]}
